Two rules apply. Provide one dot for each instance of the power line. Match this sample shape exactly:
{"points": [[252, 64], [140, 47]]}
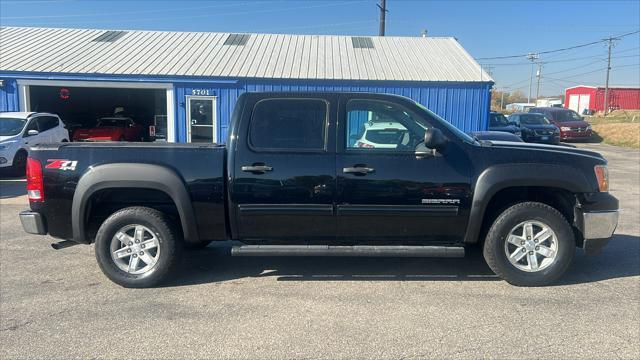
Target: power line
{"points": [[209, 15], [123, 12], [556, 50]]}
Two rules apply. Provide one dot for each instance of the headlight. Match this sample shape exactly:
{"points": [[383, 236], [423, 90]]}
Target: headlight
{"points": [[565, 128], [589, 127], [602, 175]]}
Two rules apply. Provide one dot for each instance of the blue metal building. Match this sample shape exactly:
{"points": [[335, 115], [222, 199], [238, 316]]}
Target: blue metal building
{"points": [[177, 74]]}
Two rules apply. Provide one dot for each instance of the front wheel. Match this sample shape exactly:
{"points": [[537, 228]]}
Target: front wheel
{"points": [[138, 247], [530, 244]]}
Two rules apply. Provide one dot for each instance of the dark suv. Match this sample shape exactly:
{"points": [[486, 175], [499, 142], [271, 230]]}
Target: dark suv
{"points": [[499, 122], [572, 126], [536, 128]]}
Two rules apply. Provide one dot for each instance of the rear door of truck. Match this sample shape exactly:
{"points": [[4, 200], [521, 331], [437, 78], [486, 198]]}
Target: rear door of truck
{"points": [[283, 186]]}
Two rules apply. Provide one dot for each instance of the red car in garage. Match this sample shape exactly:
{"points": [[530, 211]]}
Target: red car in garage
{"points": [[111, 129]]}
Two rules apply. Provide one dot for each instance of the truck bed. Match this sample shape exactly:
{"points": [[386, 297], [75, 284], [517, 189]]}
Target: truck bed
{"points": [[200, 167]]}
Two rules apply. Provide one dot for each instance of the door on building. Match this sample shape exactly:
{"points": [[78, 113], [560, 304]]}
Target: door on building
{"points": [[201, 119], [574, 102], [385, 192], [583, 103]]}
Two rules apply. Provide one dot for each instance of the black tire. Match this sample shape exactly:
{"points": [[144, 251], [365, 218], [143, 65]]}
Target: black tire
{"points": [[169, 239], [494, 246], [19, 165], [197, 246]]}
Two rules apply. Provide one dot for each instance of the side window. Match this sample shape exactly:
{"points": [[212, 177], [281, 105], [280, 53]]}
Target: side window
{"points": [[47, 123], [32, 125], [373, 124], [286, 124]]}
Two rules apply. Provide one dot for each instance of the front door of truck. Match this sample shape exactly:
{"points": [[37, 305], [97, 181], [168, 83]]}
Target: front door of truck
{"points": [[386, 192], [284, 170]]}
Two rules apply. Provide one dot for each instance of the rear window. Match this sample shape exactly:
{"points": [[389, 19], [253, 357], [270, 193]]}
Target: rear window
{"points": [[286, 124]]}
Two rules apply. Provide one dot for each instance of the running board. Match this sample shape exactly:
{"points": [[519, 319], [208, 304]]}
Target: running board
{"points": [[357, 250]]}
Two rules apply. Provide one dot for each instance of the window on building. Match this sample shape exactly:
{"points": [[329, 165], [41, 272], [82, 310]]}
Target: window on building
{"points": [[289, 124]]}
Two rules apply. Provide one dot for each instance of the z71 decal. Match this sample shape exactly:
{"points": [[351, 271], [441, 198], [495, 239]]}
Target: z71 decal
{"points": [[61, 164]]}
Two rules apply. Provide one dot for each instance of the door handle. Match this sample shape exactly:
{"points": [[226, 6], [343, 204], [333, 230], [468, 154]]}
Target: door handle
{"points": [[258, 169], [358, 170]]}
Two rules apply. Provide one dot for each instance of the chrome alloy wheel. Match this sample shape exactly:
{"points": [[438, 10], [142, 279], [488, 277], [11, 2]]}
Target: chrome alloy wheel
{"points": [[531, 246], [135, 249]]}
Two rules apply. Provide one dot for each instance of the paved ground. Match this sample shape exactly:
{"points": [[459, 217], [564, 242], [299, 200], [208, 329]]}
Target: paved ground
{"points": [[59, 305]]}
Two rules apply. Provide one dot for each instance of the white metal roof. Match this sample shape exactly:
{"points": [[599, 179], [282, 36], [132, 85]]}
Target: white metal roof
{"points": [[272, 56]]}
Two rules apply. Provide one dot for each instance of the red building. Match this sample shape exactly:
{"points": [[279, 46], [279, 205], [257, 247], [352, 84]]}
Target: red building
{"points": [[579, 98]]}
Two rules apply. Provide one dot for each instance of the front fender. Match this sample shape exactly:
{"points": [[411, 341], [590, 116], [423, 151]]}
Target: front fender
{"points": [[500, 177], [131, 175]]}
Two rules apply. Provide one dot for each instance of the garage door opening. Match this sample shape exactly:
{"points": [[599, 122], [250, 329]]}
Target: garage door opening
{"points": [[94, 113]]}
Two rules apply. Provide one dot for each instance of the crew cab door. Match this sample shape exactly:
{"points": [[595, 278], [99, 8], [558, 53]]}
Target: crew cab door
{"points": [[283, 183], [386, 192]]}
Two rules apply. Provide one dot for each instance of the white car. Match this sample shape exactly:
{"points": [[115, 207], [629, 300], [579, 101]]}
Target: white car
{"points": [[383, 135], [19, 130]]}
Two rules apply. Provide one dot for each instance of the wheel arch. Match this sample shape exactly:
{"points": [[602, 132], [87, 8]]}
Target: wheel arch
{"points": [[132, 176], [533, 179]]}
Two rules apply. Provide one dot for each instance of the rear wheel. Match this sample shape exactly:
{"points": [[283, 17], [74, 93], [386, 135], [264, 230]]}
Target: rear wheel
{"points": [[138, 247], [530, 244]]}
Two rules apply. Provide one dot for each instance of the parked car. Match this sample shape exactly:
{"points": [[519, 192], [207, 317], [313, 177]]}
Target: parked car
{"points": [[499, 122], [383, 135], [111, 129], [288, 183], [19, 130], [572, 126], [536, 128], [495, 136]]}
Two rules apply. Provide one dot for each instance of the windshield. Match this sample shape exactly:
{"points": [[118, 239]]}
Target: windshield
{"points": [[448, 125], [565, 116], [11, 126], [533, 119], [112, 123], [497, 119]]}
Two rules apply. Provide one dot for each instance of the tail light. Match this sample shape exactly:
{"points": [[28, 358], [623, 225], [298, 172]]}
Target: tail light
{"points": [[35, 183], [364, 145], [602, 175]]}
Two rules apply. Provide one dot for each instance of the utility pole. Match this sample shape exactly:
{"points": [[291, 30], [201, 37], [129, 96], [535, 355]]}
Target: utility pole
{"points": [[611, 44], [532, 57], [383, 13], [502, 97], [538, 75]]}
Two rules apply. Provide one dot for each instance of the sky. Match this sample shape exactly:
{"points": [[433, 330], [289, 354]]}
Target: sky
{"points": [[486, 29]]}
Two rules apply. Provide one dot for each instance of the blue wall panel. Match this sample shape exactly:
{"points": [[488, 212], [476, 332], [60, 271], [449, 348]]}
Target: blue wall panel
{"points": [[465, 105], [9, 100]]}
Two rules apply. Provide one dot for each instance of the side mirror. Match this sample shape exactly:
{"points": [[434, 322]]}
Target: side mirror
{"points": [[435, 139], [32, 132]]}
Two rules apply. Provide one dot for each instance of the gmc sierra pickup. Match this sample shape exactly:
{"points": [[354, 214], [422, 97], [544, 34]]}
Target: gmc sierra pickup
{"points": [[324, 174]]}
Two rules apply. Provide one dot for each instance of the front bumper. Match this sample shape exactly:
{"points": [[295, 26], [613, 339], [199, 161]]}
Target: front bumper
{"points": [[576, 135], [597, 230], [33, 222]]}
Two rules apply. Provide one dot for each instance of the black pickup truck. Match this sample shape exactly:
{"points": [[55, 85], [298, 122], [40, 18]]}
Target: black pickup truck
{"points": [[324, 174]]}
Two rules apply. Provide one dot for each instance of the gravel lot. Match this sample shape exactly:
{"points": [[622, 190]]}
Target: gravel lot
{"points": [[57, 304]]}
